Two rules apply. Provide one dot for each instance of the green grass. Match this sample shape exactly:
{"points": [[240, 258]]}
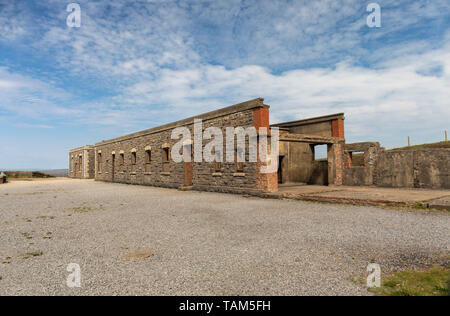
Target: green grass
{"points": [[432, 282], [84, 209], [33, 254], [422, 146]]}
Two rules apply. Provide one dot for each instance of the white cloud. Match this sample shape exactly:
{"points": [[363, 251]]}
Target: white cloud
{"points": [[23, 97], [166, 60]]}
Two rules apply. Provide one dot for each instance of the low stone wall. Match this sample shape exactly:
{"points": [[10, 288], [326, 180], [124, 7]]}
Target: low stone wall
{"points": [[361, 170], [421, 168]]}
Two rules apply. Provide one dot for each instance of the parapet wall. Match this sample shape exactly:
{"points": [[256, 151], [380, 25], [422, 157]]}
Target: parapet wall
{"points": [[419, 168]]}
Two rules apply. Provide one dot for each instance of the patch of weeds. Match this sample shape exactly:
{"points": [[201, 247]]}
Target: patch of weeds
{"points": [[33, 193], [33, 254], [48, 236], [27, 235], [83, 209], [432, 282], [419, 206], [139, 255], [45, 217], [7, 260]]}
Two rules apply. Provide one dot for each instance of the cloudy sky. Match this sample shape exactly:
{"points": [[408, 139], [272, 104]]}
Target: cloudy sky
{"points": [[136, 65]]}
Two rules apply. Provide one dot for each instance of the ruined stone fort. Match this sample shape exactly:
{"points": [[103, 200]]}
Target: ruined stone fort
{"points": [[144, 158]]}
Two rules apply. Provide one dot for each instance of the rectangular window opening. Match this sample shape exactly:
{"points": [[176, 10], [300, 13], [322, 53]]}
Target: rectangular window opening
{"points": [[99, 162], [148, 160], [356, 159]]}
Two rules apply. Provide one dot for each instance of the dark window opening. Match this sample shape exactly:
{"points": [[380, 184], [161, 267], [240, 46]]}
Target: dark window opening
{"points": [[166, 159], [355, 159], [166, 155], [148, 160], [122, 162], [133, 162], [99, 162]]}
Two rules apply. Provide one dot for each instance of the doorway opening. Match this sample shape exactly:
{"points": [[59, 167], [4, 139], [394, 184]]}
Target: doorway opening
{"points": [[319, 171], [280, 169]]}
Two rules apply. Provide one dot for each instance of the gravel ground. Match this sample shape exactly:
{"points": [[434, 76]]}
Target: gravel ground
{"points": [[202, 243]]}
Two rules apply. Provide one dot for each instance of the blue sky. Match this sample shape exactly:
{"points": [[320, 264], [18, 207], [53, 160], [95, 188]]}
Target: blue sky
{"points": [[135, 65]]}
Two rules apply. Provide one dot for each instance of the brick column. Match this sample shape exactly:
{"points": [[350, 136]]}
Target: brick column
{"points": [[266, 182], [337, 128], [335, 163]]}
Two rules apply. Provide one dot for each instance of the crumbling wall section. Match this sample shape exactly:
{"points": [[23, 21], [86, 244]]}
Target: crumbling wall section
{"points": [[420, 168], [364, 171]]}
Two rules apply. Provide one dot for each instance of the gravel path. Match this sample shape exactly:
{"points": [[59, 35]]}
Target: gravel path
{"points": [[202, 243]]}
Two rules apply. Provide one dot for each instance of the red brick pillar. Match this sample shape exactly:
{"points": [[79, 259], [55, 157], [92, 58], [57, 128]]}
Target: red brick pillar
{"points": [[335, 163], [267, 182], [337, 128]]}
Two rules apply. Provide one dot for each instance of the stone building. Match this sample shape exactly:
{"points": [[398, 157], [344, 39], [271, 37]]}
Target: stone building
{"points": [[145, 157], [81, 162]]}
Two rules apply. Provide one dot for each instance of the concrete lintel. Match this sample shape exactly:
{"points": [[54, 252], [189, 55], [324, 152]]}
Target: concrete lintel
{"points": [[326, 118], [87, 147], [310, 139], [363, 146]]}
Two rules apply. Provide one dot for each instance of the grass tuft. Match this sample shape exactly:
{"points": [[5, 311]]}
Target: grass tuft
{"points": [[432, 282]]}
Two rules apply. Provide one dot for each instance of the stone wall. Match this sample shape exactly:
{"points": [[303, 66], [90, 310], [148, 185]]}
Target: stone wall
{"points": [[154, 144], [362, 171], [298, 164], [319, 174], [81, 163], [420, 168]]}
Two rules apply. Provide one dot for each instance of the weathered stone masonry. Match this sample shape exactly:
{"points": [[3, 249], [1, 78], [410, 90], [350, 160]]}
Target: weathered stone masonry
{"points": [[420, 168], [144, 157], [81, 162]]}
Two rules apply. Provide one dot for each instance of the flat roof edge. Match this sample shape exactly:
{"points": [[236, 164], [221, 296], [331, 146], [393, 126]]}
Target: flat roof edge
{"points": [[81, 148], [247, 105], [312, 120]]}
